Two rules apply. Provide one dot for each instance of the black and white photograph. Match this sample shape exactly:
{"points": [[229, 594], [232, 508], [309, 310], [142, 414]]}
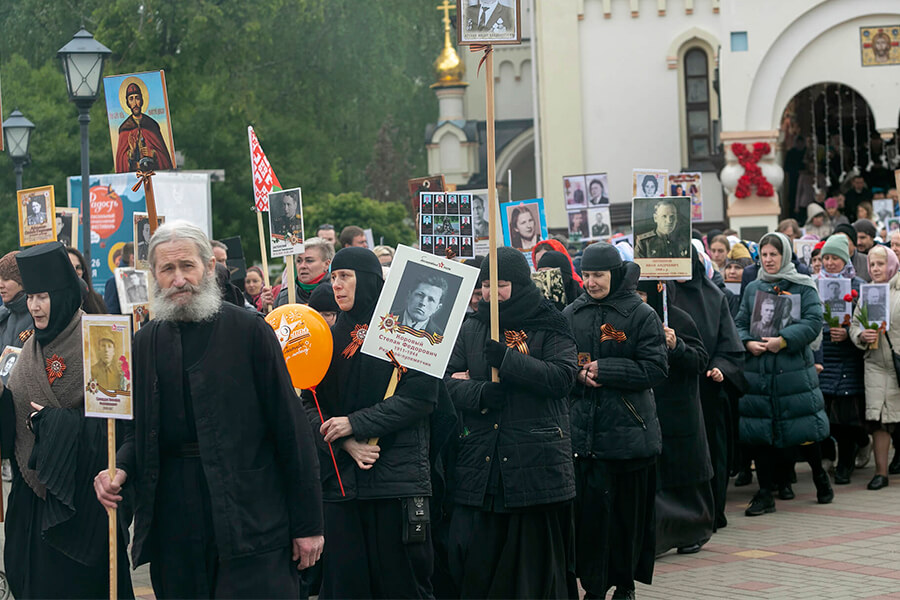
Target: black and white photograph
{"points": [[524, 224], [770, 314], [131, 284], [480, 223], [578, 224], [874, 296], [803, 250], [492, 22], [420, 310], [832, 292], [142, 238], [575, 190], [884, 209], [598, 219], [67, 226], [892, 225], [285, 223], [662, 237], [650, 183], [597, 190], [7, 361]]}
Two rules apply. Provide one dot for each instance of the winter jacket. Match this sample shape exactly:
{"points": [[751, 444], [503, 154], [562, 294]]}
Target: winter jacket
{"points": [[783, 406], [528, 439], [842, 363], [618, 421], [14, 319], [882, 389]]}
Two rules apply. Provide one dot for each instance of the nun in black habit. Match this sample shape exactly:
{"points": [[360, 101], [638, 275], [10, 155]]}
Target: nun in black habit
{"points": [[56, 531], [684, 502], [379, 539], [723, 382]]}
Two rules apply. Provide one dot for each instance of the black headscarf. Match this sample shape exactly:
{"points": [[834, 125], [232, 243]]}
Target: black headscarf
{"points": [[653, 289], [526, 309], [47, 268], [552, 258]]}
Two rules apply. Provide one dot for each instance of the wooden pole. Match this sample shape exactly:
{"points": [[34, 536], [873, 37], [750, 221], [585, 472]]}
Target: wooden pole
{"points": [[263, 253], [391, 390], [493, 209], [113, 537], [290, 280]]}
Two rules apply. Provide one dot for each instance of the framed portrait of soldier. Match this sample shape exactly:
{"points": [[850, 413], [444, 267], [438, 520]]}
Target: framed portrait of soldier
{"points": [[803, 250], [67, 226], [132, 285], [141, 225], [884, 209], [37, 215], [7, 362], [599, 223], [880, 46], [662, 237], [771, 313], [420, 310], [286, 223], [876, 298], [597, 186], [832, 293], [575, 191], [140, 125], [649, 183], [107, 366], [493, 22]]}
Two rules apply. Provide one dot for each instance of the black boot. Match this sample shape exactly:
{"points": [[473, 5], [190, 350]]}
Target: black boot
{"points": [[744, 477], [843, 472], [824, 493], [762, 503]]}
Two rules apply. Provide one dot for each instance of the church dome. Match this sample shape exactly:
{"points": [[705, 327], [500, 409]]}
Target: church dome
{"points": [[448, 67]]}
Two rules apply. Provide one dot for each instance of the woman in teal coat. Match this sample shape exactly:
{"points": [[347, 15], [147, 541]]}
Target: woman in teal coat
{"points": [[783, 407]]}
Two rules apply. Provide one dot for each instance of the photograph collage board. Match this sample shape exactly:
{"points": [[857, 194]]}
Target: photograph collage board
{"points": [[587, 206], [445, 221]]}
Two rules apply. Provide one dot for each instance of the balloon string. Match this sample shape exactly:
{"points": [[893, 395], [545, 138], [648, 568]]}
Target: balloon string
{"points": [[330, 449]]}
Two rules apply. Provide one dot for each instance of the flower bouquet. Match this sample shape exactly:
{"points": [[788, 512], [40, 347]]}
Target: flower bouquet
{"points": [[862, 317]]}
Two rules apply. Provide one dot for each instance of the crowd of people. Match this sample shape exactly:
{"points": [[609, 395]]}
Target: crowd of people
{"points": [[600, 431]]}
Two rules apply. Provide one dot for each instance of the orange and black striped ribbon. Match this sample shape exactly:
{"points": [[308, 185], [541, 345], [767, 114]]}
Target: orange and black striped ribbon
{"points": [[516, 340]]}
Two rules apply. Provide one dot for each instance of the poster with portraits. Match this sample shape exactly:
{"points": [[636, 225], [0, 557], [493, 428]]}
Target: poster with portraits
{"points": [[7, 361], [662, 237], [688, 184], [67, 226], [133, 287], [832, 293], [286, 223], [420, 311], [879, 46], [649, 183], [494, 22], [37, 215], [446, 222], [107, 366], [876, 298], [140, 315], [140, 124], [884, 209], [524, 224], [141, 228], [803, 250]]}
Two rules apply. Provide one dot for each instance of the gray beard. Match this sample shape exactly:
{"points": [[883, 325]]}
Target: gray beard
{"points": [[203, 305]]}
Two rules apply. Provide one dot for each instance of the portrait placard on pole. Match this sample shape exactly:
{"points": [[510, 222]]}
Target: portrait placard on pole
{"points": [[142, 234], [286, 222], [107, 366], [36, 208], [662, 237], [67, 226]]}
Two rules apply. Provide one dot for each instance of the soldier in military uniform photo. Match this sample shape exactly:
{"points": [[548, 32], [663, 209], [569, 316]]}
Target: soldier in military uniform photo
{"points": [[289, 222], [669, 236]]}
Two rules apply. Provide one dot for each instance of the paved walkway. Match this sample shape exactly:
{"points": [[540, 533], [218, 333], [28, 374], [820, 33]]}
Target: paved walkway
{"points": [[804, 551], [847, 549]]}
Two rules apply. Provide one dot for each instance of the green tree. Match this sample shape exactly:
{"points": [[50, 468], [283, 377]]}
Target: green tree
{"points": [[389, 169], [389, 222]]}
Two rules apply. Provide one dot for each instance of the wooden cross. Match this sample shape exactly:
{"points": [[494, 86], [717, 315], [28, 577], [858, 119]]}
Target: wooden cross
{"points": [[446, 7]]}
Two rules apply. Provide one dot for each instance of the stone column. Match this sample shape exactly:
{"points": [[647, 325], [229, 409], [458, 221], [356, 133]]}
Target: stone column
{"points": [[754, 215]]}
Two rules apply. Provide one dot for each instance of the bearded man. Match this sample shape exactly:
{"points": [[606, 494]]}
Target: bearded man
{"points": [[221, 459], [140, 137]]}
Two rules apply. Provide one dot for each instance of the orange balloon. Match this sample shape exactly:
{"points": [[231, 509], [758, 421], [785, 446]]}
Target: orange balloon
{"points": [[305, 340]]}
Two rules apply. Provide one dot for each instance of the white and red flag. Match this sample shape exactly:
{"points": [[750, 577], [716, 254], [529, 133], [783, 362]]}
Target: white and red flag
{"points": [[264, 179]]}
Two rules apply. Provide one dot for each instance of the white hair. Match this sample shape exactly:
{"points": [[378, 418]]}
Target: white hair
{"points": [[325, 248], [180, 230]]}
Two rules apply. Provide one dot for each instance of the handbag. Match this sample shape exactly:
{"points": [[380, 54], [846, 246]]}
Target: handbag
{"points": [[894, 356]]}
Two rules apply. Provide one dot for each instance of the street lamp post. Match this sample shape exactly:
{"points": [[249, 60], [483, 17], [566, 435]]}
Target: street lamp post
{"points": [[82, 62], [17, 133]]}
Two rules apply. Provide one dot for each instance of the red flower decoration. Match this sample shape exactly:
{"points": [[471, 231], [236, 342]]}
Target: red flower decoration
{"points": [[848, 298], [854, 293], [819, 245], [752, 176], [123, 363], [55, 368]]}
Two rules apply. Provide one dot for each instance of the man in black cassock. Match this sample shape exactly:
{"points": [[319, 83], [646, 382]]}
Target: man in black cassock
{"points": [[220, 458]]}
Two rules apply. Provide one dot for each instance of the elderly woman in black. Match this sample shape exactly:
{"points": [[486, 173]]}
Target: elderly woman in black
{"points": [[615, 430], [511, 531], [56, 531]]}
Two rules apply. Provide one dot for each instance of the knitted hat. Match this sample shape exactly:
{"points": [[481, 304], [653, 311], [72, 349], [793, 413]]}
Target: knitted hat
{"points": [[738, 251], [865, 226], [600, 257], [322, 299], [512, 266], [9, 269], [846, 230], [837, 245], [831, 203]]}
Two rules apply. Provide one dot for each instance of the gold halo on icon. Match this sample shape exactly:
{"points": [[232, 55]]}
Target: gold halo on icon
{"points": [[144, 93]]}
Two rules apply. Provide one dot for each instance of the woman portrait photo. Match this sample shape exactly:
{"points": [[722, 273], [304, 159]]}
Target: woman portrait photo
{"points": [[578, 223], [524, 227]]}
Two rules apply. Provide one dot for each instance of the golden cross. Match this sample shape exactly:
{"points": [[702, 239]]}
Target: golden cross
{"points": [[446, 7]]}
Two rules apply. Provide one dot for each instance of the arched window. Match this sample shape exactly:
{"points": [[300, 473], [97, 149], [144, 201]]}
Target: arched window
{"points": [[696, 86]]}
